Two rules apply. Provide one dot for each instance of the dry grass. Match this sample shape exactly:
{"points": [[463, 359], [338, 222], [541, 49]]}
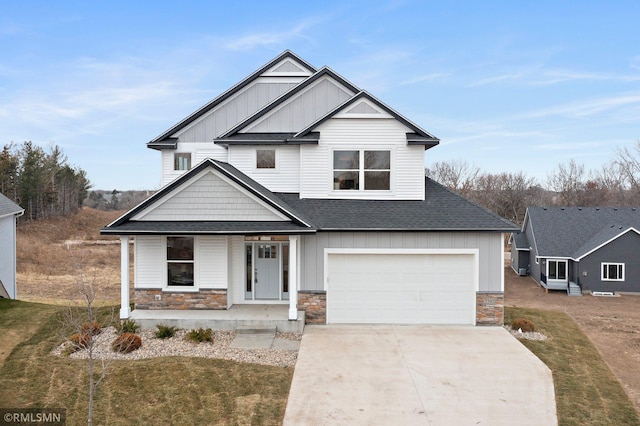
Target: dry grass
{"points": [[587, 392], [157, 391], [53, 254]]}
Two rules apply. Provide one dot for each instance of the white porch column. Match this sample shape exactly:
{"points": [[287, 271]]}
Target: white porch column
{"points": [[293, 277], [125, 311]]}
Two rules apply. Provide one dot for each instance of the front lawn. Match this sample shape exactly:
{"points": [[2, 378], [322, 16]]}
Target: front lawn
{"points": [[171, 390], [587, 392]]}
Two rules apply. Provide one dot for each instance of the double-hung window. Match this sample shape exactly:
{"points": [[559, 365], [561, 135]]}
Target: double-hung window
{"points": [[180, 261], [557, 270], [362, 170], [612, 271]]}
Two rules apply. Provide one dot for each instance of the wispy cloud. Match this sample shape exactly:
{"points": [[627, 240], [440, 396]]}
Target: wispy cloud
{"points": [[274, 38], [496, 79], [425, 77], [586, 108]]}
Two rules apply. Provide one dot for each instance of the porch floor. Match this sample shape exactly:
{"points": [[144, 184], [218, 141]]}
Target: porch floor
{"points": [[229, 319]]}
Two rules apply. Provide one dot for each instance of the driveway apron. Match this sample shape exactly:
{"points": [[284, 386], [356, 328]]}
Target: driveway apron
{"points": [[418, 375]]}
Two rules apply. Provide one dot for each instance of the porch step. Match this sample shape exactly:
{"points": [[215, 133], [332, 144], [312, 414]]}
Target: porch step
{"points": [[253, 329], [574, 289]]}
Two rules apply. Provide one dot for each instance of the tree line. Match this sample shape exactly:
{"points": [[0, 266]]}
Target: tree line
{"points": [[42, 182], [615, 184]]}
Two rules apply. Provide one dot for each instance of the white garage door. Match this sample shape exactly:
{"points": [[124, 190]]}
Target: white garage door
{"points": [[401, 288]]}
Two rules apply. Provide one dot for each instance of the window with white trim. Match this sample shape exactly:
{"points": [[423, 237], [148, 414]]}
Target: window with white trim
{"points": [[182, 161], [362, 170], [557, 270], [612, 271], [180, 261]]}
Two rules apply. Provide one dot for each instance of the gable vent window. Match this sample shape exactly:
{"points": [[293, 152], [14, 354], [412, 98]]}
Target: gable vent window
{"points": [[612, 271], [182, 161], [362, 170], [266, 159]]}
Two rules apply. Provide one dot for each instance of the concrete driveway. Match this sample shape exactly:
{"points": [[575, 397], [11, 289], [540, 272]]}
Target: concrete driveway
{"points": [[418, 375]]}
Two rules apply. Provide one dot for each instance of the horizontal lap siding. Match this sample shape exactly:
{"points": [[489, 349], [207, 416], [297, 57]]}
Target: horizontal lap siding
{"points": [[407, 168], [489, 245], [286, 176], [211, 262], [150, 256]]}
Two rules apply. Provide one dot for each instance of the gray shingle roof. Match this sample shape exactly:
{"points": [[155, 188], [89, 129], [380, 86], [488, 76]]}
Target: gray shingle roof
{"points": [[442, 210], [206, 228], [8, 207], [521, 241], [268, 139], [572, 232]]}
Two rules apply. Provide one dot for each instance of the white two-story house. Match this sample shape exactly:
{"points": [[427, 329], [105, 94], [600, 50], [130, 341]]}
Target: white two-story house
{"points": [[296, 187]]}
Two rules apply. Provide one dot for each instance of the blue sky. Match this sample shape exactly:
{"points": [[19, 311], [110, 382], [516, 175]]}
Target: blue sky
{"points": [[506, 85]]}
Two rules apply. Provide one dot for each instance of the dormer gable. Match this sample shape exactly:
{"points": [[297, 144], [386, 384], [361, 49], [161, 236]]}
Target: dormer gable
{"points": [[235, 104]]}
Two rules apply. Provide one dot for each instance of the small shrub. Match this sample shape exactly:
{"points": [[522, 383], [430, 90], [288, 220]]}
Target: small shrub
{"points": [[523, 324], [165, 331], [80, 341], [126, 343], [92, 328], [127, 326], [200, 335]]}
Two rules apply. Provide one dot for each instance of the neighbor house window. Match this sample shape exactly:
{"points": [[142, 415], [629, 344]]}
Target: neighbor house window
{"points": [[180, 261], [266, 159], [362, 170], [557, 269], [182, 161], [612, 271]]}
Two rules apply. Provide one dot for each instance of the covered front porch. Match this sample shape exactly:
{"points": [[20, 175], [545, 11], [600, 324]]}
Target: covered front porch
{"points": [[238, 316]]}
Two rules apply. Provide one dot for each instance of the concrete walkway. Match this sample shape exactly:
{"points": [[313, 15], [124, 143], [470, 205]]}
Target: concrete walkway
{"points": [[418, 375]]}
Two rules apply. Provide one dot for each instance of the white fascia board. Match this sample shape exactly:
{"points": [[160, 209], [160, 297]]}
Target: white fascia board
{"points": [[631, 228]]}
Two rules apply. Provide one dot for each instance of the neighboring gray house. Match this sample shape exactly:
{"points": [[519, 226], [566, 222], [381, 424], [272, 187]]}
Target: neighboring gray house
{"points": [[579, 249], [294, 187], [9, 211]]}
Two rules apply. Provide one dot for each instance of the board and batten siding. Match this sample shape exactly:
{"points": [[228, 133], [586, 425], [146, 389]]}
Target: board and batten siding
{"points": [[304, 108], [237, 108], [209, 197], [489, 245], [407, 161], [284, 178], [8, 254], [150, 267]]}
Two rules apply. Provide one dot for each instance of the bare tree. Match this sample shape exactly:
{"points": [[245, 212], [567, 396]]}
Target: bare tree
{"points": [[457, 175], [568, 181], [81, 316]]}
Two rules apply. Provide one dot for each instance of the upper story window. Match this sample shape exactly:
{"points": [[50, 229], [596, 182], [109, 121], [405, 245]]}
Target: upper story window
{"points": [[265, 159], [612, 271], [182, 161], [362, 170], [180, 261]]}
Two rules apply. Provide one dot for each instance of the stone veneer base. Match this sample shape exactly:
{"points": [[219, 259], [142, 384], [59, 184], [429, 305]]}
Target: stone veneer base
{"points": [[202, 299], [490, 308], [315, 306]]}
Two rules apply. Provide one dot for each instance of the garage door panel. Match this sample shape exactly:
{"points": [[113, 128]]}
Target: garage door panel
{"points": [[401, 288]]}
